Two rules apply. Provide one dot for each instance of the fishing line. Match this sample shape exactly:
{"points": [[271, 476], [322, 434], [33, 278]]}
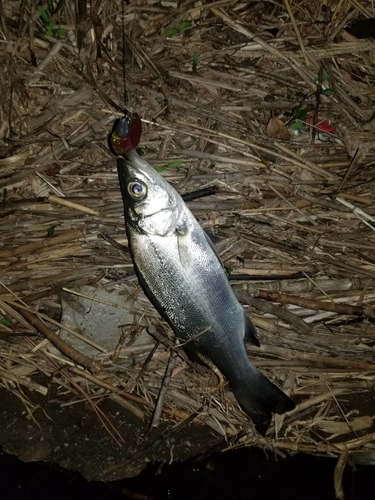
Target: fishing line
{"points": [[127, 130], [125, 96]]}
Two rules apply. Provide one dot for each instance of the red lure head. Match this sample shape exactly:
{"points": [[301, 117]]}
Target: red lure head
{"points": [[126, 134]]}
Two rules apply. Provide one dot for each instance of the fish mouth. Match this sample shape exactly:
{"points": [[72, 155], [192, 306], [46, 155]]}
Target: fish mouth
{"points": [[133, 164], [165, 212]]}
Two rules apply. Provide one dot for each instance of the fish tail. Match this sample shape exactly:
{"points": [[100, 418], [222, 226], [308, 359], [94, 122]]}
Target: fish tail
{"points": [[259, 398]]}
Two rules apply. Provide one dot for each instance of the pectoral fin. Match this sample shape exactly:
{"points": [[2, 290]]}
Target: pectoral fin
{"points": [[213, 248], [184, 252], [250, 337]]}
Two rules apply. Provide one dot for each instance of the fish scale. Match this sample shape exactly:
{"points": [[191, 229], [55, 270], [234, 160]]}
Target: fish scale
{"points": [[183, 277]]}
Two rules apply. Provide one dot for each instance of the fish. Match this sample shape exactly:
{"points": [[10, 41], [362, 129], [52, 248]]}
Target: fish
{"points": [[183, 276]]}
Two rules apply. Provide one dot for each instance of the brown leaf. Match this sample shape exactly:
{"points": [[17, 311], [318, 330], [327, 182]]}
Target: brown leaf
{"points": [[277, 129]]}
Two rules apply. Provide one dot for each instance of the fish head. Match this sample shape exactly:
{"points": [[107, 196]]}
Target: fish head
{"points": [[152, 205]]}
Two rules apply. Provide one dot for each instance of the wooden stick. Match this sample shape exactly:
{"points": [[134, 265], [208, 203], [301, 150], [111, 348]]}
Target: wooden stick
{"points": [[59, 239], [61, 345], [298, 323], [282, 352], [164, 388], [317, 305]]}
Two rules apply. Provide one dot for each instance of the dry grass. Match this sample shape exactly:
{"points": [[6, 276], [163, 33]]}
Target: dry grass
{"points": [[304, 205]]}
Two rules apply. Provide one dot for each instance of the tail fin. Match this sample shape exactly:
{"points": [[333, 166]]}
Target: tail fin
{"points": [[259, 398]]}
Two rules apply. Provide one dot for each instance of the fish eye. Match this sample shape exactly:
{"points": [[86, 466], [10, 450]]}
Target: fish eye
{"points": [[137, 190]]}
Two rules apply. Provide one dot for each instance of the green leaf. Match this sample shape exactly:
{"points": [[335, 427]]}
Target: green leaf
{"points": [[171, 164], [5, 322], [329, 91], [299, 113], [184, 25], [296, 125], [171, 33], [175, 31], [43, 14], [49, 24], [333, 196], [325, 76]]}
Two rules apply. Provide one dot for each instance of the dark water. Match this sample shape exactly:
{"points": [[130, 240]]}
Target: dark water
{"points": [[237, 475]]}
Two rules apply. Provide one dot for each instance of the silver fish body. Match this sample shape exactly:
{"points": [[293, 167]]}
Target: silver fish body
{"points": [[182, 275]]}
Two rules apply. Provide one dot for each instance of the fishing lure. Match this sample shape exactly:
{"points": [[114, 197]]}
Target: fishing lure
{"points": [[126, 133]]}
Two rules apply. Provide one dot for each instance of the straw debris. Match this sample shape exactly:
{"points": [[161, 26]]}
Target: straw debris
{"points": [[295, 218]]}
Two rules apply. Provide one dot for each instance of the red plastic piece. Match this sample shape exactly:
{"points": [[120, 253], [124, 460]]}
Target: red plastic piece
{"points": [[321, 125]]}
